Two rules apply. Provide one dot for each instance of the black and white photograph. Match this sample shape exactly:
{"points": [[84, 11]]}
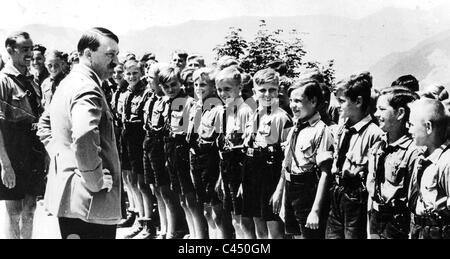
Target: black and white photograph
{"points": [[236, 121]]}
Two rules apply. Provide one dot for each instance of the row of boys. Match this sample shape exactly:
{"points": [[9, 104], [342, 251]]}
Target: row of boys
{"points": [[245, 165]]}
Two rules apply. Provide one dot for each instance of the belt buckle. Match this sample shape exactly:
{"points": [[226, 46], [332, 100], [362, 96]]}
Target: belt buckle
{"points": [[250, 152]]}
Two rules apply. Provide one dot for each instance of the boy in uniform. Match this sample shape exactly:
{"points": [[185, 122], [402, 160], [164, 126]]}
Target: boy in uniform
{"points": [[265, 133], [233, 116], [156, 173], [391, 164], [353, 140], [204, 157], [429, 190], [53, 63], [307, 164], [133, 136], [176, 148]]}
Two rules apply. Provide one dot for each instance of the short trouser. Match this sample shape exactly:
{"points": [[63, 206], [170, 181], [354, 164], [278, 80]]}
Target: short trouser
{"points": [[178, 163], [430, 228], [133, 138], [155, 171], [389, 225], [231, 168], [27, 156], [299, 201], [259, 182], [204, 167], [123, 152], [348, 213]]}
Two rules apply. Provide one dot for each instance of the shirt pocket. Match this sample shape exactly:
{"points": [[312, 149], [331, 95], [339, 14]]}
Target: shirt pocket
{"points": [[306, 149], [265, 129], [397, 174], [19, 110]]}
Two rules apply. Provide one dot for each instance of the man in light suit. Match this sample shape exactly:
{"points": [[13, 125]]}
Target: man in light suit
{"points": [[83, 188]]}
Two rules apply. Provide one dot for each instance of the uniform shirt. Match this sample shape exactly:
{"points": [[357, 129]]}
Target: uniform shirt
{"points": [[180, 108], [155, 118], [139, 96], [270, 128], [308, 150], [209, 127], [397, 167], [14, 102], [48, 88], [356, 160], [435, 181], [236, 114], [208, 122]]}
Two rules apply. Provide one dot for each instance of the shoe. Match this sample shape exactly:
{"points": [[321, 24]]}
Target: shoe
{"points": [[129, 221], [137, 228], [148, 232]]}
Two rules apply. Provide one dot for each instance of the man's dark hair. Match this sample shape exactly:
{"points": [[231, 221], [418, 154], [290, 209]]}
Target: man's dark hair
{"points": [[11, 40], [91, 39], [40, 48], [408, 81]]}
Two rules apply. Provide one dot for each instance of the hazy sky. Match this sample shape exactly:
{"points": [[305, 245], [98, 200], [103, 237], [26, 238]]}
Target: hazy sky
{"points": [[123, 15]]}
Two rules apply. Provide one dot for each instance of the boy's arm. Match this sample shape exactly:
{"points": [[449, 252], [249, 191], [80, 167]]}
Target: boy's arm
{"points": [[324, 161]]}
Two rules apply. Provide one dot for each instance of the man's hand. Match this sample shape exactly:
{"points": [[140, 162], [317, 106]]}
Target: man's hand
{"points": [[313, 220], [8, 176], [107, 180]]}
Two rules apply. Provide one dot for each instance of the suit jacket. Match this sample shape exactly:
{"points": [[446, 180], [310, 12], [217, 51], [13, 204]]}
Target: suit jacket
{"points": [[77, 130]]}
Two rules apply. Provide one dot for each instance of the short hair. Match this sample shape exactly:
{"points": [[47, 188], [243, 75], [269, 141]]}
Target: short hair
{"points": [[130, 64], [148, 56], [74, 55], [266, 76], [40, 48], [408, 81], [226, 61], [437, 92], [358, 85], [180, 53], [168, 73], [197, 58], [54, 54], [400, 97], [229, 74], [311, 89], [434, 111], [279, 65], [119, 64], [90, 39], [11, 40], [186, 72], [130, 56], [205, 73]]}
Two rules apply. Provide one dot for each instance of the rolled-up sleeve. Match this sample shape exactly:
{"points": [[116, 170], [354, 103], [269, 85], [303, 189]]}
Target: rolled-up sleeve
{"points": [[86, 111], [325, 148], [4, 92]]}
